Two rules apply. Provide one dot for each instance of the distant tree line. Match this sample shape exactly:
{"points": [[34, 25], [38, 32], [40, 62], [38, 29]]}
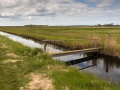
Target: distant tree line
{"points": [[110, 24], [31, 25]]}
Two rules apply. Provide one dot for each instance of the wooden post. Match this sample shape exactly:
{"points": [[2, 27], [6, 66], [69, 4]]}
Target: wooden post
{"points": [[95, 42], [45, 44]]}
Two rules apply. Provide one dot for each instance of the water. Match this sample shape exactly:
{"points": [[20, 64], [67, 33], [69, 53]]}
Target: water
{"points": [[29, 42], [104, 66]]}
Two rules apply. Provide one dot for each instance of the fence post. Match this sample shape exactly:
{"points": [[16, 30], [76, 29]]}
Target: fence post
{"points": [[95, 43], [45, 45]]}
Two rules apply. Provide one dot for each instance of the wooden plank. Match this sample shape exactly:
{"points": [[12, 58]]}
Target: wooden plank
{"points": [[68, 40], [72, 62], [77, 51]]}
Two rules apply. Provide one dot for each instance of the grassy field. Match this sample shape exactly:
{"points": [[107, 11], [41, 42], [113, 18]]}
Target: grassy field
{"points": [[108, 37], [23, 68]]}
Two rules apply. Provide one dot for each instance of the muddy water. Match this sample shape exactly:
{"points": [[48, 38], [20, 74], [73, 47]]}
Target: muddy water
{"points": [[104, 66]]}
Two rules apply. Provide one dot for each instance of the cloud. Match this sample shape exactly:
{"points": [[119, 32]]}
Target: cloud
{"points": [[9, 3], [7, 14], [50, 11]]}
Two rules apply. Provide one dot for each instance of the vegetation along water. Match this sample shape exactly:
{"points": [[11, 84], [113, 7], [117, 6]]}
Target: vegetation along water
{"points": [[24, 68], [108, 37]]}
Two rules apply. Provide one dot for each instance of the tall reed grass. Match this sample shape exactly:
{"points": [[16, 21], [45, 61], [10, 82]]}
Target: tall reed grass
{"points": [[111, 47]]}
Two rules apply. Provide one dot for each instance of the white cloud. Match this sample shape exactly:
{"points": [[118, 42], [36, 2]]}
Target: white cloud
{"points": [[7, 14], [55, 11], [9, 3]]}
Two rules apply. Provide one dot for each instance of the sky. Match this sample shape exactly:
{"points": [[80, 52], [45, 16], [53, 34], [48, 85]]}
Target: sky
{"points": [[59, 12]]}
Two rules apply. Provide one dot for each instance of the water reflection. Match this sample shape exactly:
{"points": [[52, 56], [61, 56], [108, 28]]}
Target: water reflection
{"points": [[88, 67], [69, 57], [31, 43], [110, 63], [84, 59], [105, 67]]}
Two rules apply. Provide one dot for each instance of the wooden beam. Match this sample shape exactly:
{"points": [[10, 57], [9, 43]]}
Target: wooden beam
{"points": [[72, 62], [67, 40], [77, 51]]}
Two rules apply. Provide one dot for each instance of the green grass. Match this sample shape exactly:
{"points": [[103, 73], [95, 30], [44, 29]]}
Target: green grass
{"points": [[69, 32], [80, 81], [16, 75]]}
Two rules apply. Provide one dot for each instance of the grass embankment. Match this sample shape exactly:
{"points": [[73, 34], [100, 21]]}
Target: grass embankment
{"points": [[23, 68], [110, 44]]}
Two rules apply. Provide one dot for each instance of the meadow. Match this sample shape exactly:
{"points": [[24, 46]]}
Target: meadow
{"points": [[108, 37], [23, 68]]}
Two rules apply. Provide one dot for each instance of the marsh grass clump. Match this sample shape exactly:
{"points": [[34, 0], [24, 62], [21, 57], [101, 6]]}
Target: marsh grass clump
{"points": [[110, 47], [36, 51]]}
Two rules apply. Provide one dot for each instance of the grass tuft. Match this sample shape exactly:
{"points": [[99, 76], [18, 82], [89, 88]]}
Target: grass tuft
{"points": [[110, 47]]}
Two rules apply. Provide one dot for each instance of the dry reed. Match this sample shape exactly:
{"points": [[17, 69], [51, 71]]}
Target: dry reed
{"points": [[110, 47]]}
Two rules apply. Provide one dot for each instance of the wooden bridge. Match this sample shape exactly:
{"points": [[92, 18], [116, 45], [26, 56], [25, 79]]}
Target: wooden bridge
{"points": [[97, 50], [94, 49]]}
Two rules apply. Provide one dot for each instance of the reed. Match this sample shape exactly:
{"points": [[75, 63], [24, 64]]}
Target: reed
{"points": [[110, 47]]}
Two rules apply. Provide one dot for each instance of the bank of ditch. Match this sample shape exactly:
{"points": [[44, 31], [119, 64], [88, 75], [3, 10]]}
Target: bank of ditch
{"points": [[108, 37], [24, 68]]}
